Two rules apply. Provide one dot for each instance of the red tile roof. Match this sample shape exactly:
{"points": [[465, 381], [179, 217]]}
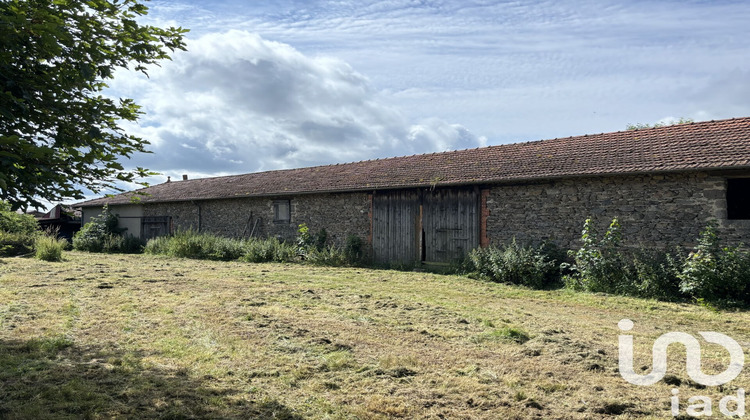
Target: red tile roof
{"points": [[710, 145]]}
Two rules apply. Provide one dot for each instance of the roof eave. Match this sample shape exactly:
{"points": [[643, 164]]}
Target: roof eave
{"points": [[512, 180]]}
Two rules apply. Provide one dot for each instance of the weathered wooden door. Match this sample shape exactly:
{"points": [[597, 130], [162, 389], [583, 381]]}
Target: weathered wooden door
{"points": [[153, 227], [394, 227], [450, 223]]}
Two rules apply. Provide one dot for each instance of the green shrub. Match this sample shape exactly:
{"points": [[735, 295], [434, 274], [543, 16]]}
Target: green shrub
{"points": [[711, 273], [328, 256], [714, 273], [12, 222], [655, 274], [12, 244], [604, 266], [283, 252], [305, 239], [17, 232], [121, 244], [599, 264], [313, 248], [353, 249], [87, 243], [307, 242], [321, 239], [49, 248], [129, 244], [157, 246], [226, 249], [192, 244], [258, 251], [186, 244], [100, 234], [181, 244], [515, 264], [111, 243], [268, 250]]}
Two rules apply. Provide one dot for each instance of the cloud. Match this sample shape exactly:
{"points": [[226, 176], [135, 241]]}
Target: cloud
{"points": [[516, 71], [237, 103]]}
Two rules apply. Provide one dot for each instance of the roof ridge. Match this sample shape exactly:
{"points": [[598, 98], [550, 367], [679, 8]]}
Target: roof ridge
{"points": [[626, 151], [516, 143]]}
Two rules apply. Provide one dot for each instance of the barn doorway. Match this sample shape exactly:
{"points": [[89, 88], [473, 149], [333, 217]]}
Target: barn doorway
{"points": [[394, 227], [429, 226], [153, 227], [450, 220]]}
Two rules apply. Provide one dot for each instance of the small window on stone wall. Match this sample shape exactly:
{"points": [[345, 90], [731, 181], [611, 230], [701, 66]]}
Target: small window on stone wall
{"points": [[738, 199], [281, 211]]}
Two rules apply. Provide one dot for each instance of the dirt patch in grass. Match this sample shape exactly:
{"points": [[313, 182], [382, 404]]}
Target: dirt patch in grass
{"points": [[130, 335]]}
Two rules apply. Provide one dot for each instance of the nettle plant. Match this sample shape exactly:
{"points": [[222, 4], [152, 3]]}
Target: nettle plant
{"points": [[716, 273], [515, 264], [599, 265]]}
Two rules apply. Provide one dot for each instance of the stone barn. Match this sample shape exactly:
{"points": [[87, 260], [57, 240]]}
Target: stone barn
{"points": [[664, 184]]}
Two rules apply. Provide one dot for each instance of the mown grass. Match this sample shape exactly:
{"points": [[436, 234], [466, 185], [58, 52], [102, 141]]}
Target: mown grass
{"points": [[147, 336]]}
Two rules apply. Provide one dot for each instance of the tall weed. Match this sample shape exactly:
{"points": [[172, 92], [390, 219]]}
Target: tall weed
{"points": [[710, 273], [192, 244], [515, 264], [716, 273], [49, 248], [599, 263], [268, 250], [655, 274], [329, 256]]}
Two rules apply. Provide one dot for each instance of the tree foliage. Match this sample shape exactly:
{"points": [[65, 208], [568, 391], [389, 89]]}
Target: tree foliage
{"points": [[641, 126], [12, 222], [58, 134], [17, 231]]}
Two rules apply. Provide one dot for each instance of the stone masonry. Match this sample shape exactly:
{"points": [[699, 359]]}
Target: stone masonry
{"points": [[340, 214], [655, 211]]}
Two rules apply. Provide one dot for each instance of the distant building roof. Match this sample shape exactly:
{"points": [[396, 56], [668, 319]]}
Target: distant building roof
{"points": [[709, 145], [59, 211]]}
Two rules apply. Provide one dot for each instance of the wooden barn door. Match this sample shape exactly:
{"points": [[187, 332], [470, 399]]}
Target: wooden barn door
{"points": [[153, 227], [394, 227], [450, 224]]}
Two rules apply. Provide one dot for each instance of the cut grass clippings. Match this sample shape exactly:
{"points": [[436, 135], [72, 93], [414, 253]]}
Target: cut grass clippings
{"points": [[178, 338]]}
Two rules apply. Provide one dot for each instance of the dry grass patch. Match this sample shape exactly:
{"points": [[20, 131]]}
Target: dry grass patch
{"points": [[128, 335]]}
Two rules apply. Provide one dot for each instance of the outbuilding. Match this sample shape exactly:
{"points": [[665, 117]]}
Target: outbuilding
{"points": [[664, 184]]}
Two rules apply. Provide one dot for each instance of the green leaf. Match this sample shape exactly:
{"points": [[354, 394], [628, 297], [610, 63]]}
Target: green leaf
{"points": [[58, 134]]}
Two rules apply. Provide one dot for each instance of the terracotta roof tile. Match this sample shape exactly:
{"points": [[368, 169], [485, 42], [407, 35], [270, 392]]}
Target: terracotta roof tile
{"points": [[721, 144]]}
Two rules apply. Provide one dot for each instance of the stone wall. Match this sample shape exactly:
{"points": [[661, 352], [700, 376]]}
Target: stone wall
{"points": [[654, 210], [340, 214]]}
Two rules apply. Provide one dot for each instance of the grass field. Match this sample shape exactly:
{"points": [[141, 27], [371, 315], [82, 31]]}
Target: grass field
{"points": [[101, 336]]}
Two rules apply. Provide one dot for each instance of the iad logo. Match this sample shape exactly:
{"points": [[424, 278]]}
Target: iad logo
{"points": [[693, 367], [693, 348]]}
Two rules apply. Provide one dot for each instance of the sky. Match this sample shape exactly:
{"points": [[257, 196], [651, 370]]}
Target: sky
{"points": [[282, 84]]}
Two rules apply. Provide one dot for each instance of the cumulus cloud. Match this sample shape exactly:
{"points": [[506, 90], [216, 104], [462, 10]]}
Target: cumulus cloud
{"points": [[239, 103]]}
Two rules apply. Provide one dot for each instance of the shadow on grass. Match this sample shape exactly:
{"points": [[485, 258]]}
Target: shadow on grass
{"points": [[53, 378]]}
